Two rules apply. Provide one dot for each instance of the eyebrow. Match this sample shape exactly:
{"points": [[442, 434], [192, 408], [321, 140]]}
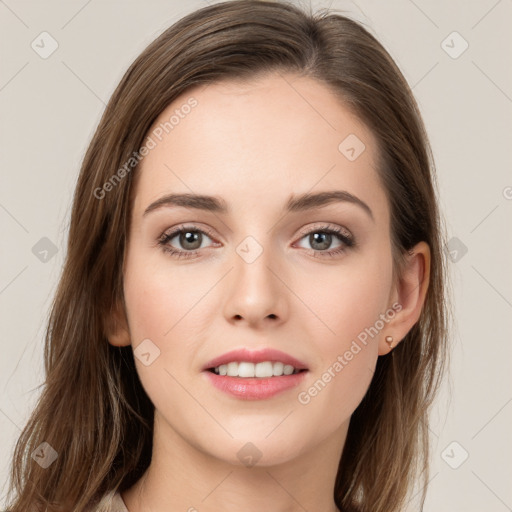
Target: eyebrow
{"points": [[296, 203]]}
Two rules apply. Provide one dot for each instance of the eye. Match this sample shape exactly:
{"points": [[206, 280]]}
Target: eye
{"points": [[321, 238], [190, 238]]}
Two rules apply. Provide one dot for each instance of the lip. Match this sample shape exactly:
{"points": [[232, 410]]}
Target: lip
{"points": [[255, 356], [254, 388]]}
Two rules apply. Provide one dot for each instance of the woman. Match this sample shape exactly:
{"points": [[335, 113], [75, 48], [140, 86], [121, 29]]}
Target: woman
{"points": [[287, 358]]}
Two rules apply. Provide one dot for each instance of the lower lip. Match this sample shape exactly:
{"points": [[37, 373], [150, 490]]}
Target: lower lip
{"points": [[255, 388]]}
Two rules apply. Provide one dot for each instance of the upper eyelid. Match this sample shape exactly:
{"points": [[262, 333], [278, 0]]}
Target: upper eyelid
{"points": [[325, 226]]}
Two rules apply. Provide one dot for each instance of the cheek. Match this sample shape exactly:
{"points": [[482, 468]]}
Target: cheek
{"points": [[150, 307], [345, 301], [159, 299], [347, 304], [160, 303]]}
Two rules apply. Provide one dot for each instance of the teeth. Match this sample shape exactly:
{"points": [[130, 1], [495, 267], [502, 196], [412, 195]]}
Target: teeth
{"points": [[277, 368], [245, 369], [288, 370], [263, 369]]}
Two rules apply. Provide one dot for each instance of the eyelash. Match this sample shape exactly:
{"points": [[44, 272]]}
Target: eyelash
{"points": [[165, 238]]}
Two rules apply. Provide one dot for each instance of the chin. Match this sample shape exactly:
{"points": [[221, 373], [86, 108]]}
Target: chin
{"points": [[257, 448]]}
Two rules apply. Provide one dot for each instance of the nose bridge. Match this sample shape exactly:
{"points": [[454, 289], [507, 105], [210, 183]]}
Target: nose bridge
{"points": [[253, 264], [255, 292]]}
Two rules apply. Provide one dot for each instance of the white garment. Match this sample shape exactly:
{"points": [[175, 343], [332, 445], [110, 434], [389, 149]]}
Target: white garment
{"points": [[111, 502]]}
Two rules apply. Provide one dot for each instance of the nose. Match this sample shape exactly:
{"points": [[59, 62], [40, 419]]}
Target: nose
{"points": [[256, 292]]}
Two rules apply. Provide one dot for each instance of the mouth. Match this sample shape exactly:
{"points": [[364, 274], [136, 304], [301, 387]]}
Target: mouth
{"points": [[255, 375], [264, 369]]}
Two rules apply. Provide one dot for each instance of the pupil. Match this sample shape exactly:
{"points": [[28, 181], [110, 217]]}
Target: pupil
{"points": [[325, 240], [191, 237]]}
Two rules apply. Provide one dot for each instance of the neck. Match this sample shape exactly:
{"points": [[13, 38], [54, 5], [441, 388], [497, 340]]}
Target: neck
{"points": [[182, 477]]}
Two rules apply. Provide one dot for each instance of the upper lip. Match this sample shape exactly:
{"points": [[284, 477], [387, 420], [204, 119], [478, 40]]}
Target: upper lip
{"points": [[255, 356]]}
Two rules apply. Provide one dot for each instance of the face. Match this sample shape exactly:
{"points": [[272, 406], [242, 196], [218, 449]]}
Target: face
{"points": [[313, 281]]}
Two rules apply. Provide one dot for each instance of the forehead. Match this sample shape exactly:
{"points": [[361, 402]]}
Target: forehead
{"points": [[258, 142]]}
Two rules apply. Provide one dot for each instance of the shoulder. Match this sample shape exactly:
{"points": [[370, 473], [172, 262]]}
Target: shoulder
{"points": [[110, 502]]}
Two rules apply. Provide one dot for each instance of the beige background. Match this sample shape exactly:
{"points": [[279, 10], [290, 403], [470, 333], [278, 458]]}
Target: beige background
{"points": [[49, 111]]}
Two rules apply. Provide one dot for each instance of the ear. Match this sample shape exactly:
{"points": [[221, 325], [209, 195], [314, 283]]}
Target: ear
{"points": [[118, 333], [410, 292]]}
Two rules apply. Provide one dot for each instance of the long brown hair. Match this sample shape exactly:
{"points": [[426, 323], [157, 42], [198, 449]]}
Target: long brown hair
{"points": [[93, 410]]}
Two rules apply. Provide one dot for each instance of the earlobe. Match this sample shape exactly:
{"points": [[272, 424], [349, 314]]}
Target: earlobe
{"points": [[410, 293], [118, 333], [121, 338], [389, 341]]}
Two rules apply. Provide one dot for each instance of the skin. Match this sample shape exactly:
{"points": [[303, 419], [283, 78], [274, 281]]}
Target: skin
{"points": [[254, 145]]}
